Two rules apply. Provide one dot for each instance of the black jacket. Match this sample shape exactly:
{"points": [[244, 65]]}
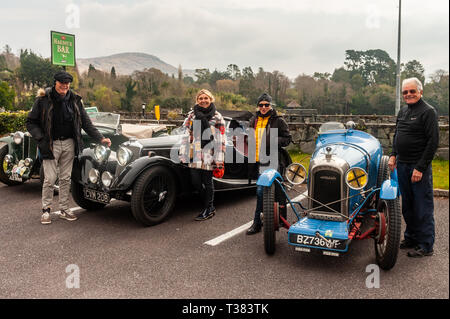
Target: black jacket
{"points": [[39, 122], [275, 121], [284, 137], [416, 136]]}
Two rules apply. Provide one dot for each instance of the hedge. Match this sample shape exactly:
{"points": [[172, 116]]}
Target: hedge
{"points": [[12, 122]]}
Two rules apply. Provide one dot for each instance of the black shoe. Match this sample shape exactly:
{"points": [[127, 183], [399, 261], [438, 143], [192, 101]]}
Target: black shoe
{"points": [[419, 252], [254, 228], [205, 214], [406, 244]]}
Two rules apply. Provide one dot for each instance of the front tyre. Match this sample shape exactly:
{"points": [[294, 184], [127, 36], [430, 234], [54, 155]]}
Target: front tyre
{"points": [[270, 212], [3, 177], [153, 196], [78, 197], [387, 241]]}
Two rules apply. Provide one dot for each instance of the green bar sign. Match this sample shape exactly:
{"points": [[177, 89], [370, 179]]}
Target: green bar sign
{"points": [[63, 48]]}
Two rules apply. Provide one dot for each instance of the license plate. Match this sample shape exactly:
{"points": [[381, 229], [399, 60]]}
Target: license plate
{"points": [[317, 241], [96, 196], [15, 177]]}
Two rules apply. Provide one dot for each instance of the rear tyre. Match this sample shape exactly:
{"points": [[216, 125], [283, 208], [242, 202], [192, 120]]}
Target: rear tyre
{"points": [[153, 196], [78, 197], [386, 249], [3, 177], [269, 219]]}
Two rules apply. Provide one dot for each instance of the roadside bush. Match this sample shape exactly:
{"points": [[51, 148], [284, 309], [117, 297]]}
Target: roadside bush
{"points": [[12, 122]]}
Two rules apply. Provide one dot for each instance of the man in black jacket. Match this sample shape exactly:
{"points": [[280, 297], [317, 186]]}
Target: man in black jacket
{"points": [[265, 121], [55, 122], [415, 142]]}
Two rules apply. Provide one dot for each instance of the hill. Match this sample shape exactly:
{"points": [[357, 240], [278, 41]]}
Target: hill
{"points": [[127, 63]]}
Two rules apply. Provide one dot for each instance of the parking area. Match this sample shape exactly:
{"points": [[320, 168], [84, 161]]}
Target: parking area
{"points": [[107, 254]]}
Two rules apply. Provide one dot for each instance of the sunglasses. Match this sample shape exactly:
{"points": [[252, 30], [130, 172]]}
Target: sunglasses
{"points": [[410, 92], [264, 105]]}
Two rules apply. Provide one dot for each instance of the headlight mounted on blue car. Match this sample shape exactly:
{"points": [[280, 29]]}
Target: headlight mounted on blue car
{"points": [[356, 178], [123, 156]]}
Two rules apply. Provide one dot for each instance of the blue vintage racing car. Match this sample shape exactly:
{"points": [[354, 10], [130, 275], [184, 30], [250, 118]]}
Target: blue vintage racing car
{"points": [[351, 195]]}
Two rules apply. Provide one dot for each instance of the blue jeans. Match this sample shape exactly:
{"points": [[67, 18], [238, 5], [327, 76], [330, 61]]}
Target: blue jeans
{"points": [[259, 204], [417, 206]]}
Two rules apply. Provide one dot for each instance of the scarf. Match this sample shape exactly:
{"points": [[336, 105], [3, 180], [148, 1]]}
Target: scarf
{"points": [[64, 103], [269, 113], [205, 115]]}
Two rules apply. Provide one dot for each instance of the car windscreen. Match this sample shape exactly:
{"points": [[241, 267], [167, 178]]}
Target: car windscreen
{"points": [[105, 119]]}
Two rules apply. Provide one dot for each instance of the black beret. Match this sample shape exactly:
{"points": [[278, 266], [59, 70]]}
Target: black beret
{"points": [[265, 97], [63, 77]]}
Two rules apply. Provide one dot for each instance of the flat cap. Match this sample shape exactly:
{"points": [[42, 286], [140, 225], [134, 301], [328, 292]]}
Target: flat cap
{"points": [[265, 97], [63, 77]]}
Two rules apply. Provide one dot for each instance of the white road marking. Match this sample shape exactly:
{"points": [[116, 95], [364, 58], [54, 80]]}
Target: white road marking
{"points": [[234, 232], [220, 239]]}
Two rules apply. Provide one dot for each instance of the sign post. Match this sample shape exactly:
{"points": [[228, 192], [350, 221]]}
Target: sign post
{"points": [[157, 113], [63, 49]]}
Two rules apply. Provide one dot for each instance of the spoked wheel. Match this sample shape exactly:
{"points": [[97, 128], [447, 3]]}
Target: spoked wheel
{"points": [[271, 218], [387, 240], [3, 177], [153, 196]]}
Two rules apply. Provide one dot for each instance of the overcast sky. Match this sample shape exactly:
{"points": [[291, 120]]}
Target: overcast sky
{"points": [[290, 36]]}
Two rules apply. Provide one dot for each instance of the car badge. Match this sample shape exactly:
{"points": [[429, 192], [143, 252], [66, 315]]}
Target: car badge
{"points": [[329, 233]]}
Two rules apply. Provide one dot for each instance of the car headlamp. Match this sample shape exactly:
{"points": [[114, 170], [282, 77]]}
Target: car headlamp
{"points": [[28, 162], [18, 137], [295, 173], [107, 178], [8, 159], [123, 156], [356, 178], [93, 175], [101, 153]]}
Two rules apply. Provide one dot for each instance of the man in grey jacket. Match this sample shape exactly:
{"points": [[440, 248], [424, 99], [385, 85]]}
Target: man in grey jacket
{"points": [[55, 122]]}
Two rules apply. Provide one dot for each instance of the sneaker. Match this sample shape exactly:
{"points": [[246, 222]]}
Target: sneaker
{"points": [[207, 213], [419, 252], [45, 218], [68, 215], [406, 244]]}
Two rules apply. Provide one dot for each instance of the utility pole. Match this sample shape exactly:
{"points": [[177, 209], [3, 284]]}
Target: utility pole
{"points": [[397, 82]]}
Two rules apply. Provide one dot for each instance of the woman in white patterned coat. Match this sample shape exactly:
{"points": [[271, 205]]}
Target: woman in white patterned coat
{"points": [[203, 148]]}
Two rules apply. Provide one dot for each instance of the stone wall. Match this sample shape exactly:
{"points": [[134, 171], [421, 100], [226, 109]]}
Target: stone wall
{"points": [[305, 129], [304, 135]]}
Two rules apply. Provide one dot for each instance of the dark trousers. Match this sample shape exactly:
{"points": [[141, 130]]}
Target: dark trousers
{"points": [[417, 206], [203, 183], [259, 204]]}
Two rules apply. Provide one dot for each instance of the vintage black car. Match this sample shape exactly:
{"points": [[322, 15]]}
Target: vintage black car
{"points": [[141, 171], [20, 157]]}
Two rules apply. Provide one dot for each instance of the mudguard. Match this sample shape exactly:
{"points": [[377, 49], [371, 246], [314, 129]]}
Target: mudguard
{"points": [[389, 188], [268, 177], [133, 170]]}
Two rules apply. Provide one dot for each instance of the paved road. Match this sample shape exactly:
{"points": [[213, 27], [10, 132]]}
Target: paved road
{"points": [[118, 258]]}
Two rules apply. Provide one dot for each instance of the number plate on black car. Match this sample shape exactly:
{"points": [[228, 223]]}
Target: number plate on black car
{"points": [[96, 196], [314, 241], [15, 177]]}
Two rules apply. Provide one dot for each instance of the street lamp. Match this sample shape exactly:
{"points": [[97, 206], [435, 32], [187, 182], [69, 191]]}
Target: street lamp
{"points": [[397, 80]]}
